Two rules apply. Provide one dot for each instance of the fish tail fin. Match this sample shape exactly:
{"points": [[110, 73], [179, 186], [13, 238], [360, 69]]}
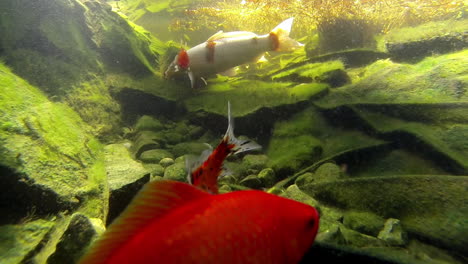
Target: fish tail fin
{"points": [[280, 37], [240, 145]]}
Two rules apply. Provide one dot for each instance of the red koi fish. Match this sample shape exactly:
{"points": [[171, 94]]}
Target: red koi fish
{"points": [[225, 50], [205, 171], [173, 222]]}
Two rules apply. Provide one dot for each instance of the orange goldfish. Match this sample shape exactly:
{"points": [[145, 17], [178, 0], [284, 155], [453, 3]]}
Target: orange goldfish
{"points": [[225, 50], [173, 222], [205, 171]]}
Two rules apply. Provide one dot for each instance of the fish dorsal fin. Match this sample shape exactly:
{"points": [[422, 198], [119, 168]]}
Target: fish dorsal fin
{"points": [[234, 34], [215, 36], [154, 201]]}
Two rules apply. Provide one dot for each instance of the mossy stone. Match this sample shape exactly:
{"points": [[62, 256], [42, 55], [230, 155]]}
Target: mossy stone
{"points": [[305, 178], [176, 172], [251, 181], [155, 155], [293, 192], [79, 234], [267, 177], [19, 241], [257, 162], [166, 162], [185, 148], [393, 233], [327, 172], [148, 123], [154, 169], [364, 222]]}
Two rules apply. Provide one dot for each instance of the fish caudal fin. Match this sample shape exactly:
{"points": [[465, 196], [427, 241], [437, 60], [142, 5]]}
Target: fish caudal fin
{"points": [[280, 37], [239, 145]]}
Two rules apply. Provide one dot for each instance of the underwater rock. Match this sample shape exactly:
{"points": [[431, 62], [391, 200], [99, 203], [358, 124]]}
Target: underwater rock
{"points": [[19, 243], [293, 192], [393, 233], [154, 169], [364, 222], [176, 172], [414, 43], [48, 156], [255, 162], [252, 181], [352, 58], [331, 73], [267, 177], [125, 178], [224, 189], [146, 140], [305, 178], [155, 155], [327, 172], [184, 148], [166, 162], [81, 231], [436, 216], [340, 235], [148, 123], [293, 144], [434, 80]]}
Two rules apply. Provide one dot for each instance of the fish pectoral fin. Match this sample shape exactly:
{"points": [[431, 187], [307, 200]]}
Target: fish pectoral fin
{"points": [[260, 59], [229, 72], [155, 200]]}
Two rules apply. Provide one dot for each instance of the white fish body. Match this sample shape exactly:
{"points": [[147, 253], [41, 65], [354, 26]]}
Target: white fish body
{"points": [[224, 51]]}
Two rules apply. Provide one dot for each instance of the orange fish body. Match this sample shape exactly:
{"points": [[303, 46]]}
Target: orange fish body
{"points": [[204, 172], [173, 222]]}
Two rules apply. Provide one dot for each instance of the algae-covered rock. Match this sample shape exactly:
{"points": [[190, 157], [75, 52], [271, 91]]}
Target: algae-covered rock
{"points": [[252, 181], [435, 215], [327, 172], [293, 192], [18, 242], [166, 162], [155, 170], [255, 162], [393, 233], [436, 79], [148, 123], [176, 172], [267, 177], [125, 176], [49, 157], [155, 155], [293, 145], [185, 148], [414, 43], [80, 233], [147, 140], [305, 178], [364, 222]]}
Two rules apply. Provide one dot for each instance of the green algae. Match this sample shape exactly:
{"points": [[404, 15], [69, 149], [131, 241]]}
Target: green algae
{"points": [[40, 131], [433, 80], [310, 71], [247, 96], [19, 241], [427, 30], [429, 206]]}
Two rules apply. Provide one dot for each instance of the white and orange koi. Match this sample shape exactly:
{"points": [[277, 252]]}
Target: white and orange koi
{"points": [[205, 171], [225, 50]]}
